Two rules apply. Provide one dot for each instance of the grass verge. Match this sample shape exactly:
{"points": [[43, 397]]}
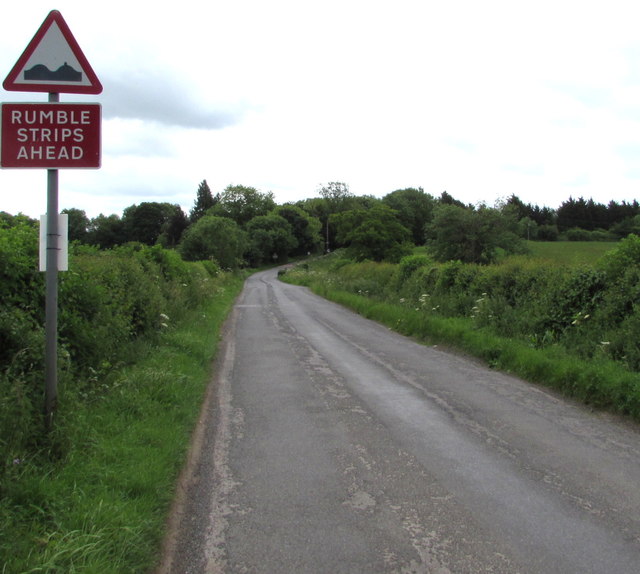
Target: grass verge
{"points": [[102, 508]]}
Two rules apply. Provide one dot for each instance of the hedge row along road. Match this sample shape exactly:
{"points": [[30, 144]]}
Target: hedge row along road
{"points": [[331, 444]]}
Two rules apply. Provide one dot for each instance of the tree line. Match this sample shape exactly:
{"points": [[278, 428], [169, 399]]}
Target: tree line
{"points": [[244, 226], [580, 216]]}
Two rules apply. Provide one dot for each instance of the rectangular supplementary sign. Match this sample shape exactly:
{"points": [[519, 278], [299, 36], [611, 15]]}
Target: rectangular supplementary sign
{"points": [[50, 135]]}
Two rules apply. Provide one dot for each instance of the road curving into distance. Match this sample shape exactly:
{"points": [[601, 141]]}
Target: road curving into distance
{"points": [[329, 444]]}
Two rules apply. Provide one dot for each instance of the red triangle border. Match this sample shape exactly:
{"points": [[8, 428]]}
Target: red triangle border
{"points": [[95, 86]]}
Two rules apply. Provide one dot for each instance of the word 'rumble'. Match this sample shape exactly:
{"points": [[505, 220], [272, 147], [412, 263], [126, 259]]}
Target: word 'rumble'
{"points": [[57, 117]]}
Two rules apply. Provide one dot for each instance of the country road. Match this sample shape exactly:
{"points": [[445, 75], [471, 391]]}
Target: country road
{"points": [[329, 444]]}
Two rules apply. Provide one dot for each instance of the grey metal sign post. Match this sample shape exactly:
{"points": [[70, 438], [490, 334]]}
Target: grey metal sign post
{"points": [[51, 296]]}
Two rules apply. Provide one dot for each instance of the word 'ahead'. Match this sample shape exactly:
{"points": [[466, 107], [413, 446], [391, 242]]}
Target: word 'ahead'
{"points": [[50, 135]]}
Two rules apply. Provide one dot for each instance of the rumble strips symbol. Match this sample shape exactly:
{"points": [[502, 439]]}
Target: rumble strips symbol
{"points": [[53, 62]]}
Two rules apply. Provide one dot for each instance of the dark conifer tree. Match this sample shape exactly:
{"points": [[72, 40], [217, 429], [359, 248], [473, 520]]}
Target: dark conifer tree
{"points": [[204, 202]]}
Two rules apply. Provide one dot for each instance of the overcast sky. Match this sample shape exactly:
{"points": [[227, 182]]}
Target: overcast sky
{"points": [[483, 99]]}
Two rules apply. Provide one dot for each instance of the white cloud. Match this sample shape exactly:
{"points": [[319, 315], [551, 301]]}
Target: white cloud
{"points": [[150, 96]]}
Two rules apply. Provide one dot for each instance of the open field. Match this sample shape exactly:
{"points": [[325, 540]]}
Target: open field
{"points": [[570, 252]]}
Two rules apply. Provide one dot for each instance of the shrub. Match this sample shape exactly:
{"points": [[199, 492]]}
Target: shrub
{"points": [[571, 301], [172, 266], [447, 275], [407, 266], [421, 283], [616, 262], [548, 233], [107, 301], [623, 344], [578, 234]]}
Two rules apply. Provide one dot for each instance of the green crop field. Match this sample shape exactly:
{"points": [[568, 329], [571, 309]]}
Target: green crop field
{"points": [[570, 252]]}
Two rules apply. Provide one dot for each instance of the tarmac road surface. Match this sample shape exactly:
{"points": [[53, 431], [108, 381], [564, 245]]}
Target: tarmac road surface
{"points": [[329, 444]]}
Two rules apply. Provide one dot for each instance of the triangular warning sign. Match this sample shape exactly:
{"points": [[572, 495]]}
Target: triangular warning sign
{"points": [[53, 62]]}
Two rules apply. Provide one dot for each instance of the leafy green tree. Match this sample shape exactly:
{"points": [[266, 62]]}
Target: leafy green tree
{"points": [[335, 197], [414, 208], [173, 228], [271, 238], [145, 222], [106, 231], [335, 193], [306, 228], [361, 202], [314, 207], [78, 224], [204, 202], [374, 234], [471, 235], [242, 204], [447, 199], [217, 238], [320, 209]]}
